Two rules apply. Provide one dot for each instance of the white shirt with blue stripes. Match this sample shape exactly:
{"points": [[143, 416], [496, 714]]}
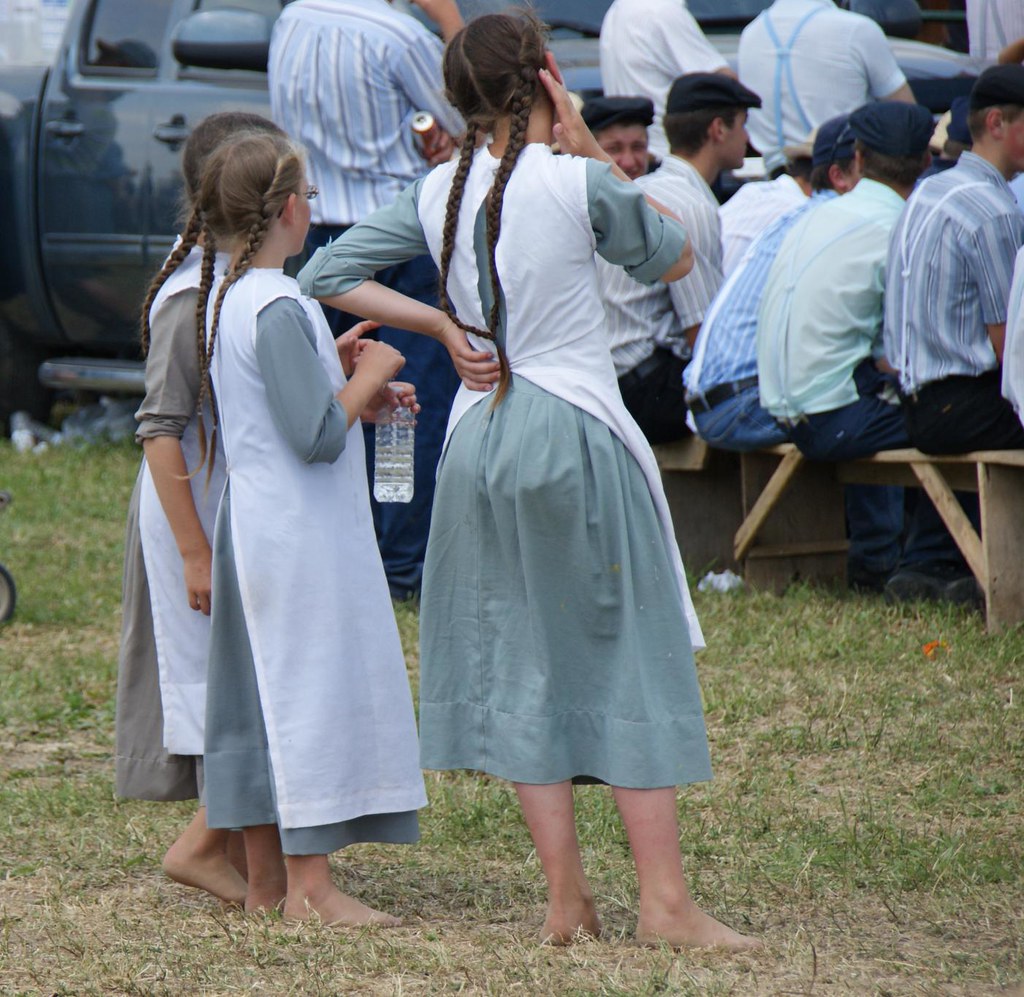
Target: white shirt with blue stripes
{"points": [[346, 78], [949, 269]]}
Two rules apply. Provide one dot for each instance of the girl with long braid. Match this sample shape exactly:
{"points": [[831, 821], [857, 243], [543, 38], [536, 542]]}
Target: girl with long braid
{"points": [[556, 626], [310, 735], [161, 694]]}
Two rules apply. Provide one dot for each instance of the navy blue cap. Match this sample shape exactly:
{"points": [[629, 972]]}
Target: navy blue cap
{"points": [[998, 85], [603, 112], [957, 130], [833, 141], [700, 91], [893, 128]]}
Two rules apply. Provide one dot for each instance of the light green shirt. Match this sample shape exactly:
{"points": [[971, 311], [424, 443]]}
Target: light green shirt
{"points": [[822, 309]]}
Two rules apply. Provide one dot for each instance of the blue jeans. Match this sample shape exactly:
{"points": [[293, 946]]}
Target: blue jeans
{"points": [[739, 423], [402, 528], [874, 513]]}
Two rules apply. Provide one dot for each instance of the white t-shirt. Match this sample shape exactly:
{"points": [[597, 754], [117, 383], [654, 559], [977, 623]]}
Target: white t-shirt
{"points": [[992, 25], [751, 210], [838, 62], [645, 45]]}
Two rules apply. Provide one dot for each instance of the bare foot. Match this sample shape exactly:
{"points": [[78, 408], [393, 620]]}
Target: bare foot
{"points": [[692, 929], [563, 925], [337, 909], [264, 901], [207, 871]]}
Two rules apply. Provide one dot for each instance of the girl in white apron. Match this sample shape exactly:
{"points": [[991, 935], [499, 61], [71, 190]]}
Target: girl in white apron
{"points": [[556, 630], [310, 733], [161, 693]]}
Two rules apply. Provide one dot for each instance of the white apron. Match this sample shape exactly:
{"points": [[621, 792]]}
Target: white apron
{"points": [[329, 663], [555, 320], [181, 633]]}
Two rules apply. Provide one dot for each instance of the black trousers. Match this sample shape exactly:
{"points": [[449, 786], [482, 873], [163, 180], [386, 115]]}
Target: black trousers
{"points": [[654, 396], [960, 413]]}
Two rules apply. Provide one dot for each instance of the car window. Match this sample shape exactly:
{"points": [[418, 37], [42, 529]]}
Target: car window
{"points": [[126, 36], [269, 8]]}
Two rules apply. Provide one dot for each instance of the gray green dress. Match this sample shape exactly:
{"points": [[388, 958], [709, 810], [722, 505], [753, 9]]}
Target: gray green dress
{"points": [[143, 768], [239, 776], [554, 641]]}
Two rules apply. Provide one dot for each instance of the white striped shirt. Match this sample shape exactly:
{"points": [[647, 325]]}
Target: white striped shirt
{"points": [[948, 275], [1013, 352], [640, 317], [992, 25], [346, 78], [751, 210]]}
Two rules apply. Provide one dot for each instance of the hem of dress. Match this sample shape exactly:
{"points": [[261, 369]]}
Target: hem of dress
{"points": [[172, 779], [570, 746]]}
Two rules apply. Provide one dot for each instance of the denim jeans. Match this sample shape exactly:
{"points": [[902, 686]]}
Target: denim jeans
{"points": [[739, 423], [402, 528]]}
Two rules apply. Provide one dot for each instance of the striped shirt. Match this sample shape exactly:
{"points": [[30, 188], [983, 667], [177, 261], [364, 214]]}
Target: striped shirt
{"points": [[640, 317], [346, 78], [726, 347], [950, 264], [992, 25], [751, 210]]}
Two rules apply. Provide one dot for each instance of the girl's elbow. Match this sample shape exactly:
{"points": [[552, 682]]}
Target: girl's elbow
{"points": [[681, 267]]}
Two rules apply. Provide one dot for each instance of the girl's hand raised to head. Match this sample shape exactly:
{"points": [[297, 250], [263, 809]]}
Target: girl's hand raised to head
{"points": [[349, 345], [570, 131], [478, 370]]}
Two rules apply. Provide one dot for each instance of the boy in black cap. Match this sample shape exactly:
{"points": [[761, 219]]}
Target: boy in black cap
{"points": [[950, 266], [821, 369], [705, 122], [620, 126], [651, 329]]}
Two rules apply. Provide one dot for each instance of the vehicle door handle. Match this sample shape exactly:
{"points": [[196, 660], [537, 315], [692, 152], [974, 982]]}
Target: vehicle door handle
{"points": [[65, 128], [172, 132]]}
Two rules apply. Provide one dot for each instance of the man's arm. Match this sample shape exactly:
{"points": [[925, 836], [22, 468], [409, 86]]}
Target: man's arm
{"points": [[1014, 52], [903, 93], [444, 13], [997, 337]]}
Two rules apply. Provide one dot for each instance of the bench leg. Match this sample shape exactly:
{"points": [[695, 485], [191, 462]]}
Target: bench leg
{"points": [[947, 506], [1001, 491], [795, 513]]}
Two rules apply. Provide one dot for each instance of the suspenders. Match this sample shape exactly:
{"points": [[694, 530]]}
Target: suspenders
{"points": [[907, 247], [784, 67]]}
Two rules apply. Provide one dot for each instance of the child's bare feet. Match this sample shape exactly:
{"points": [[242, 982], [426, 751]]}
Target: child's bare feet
{"points": [[265, 898], [567, 924], [691, 928], [335, 908], [204, 870]]}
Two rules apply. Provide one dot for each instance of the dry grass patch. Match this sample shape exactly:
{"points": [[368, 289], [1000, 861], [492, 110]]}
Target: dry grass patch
{"points": [[865, 816]]}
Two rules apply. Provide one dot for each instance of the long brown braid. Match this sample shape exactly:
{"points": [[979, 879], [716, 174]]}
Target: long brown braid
{"points": [[206, 277], [490, 70], [246, 185], [204, 138]]}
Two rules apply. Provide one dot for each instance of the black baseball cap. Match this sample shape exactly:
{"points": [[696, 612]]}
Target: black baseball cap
{"points": [[700, 91], [603, 112]]}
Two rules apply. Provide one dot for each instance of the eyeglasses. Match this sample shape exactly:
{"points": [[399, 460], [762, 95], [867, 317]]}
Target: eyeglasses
{"points": [[311, 192]]}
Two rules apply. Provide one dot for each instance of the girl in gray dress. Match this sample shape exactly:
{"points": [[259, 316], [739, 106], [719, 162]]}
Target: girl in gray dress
{"points": [[556, 626], [167, 587]]}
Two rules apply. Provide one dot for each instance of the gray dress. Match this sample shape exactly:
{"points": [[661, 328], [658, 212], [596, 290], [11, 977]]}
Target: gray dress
{"points": [[238, 766], [143, 769], [554, 641]]}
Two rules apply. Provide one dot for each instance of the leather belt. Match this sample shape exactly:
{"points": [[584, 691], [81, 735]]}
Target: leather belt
{"points": [[705, 401], [640, 372]]}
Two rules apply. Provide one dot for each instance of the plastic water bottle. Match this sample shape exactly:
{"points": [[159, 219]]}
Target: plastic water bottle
{"points": [[393, 456]]}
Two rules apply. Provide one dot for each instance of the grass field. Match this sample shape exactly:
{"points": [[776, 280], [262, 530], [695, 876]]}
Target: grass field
{"points": [[865, 819]]}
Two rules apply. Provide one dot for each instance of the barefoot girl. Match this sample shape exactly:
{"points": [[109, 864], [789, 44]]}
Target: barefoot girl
{"points": [[556, 626], [161, 695], [310, 725]]}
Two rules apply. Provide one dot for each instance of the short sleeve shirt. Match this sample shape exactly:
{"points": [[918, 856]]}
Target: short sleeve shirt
{"points": [[645, 45], [847, 50]]}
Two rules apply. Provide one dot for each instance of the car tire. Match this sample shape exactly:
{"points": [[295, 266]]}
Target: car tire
{"points": [[20, 389]]}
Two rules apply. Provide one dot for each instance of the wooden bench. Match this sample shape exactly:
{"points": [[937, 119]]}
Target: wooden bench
{"points": [[790, 522]]}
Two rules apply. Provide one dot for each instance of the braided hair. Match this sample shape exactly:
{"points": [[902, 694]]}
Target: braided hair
{"points": [[246, 185], [490, 70], [205, 137]]}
